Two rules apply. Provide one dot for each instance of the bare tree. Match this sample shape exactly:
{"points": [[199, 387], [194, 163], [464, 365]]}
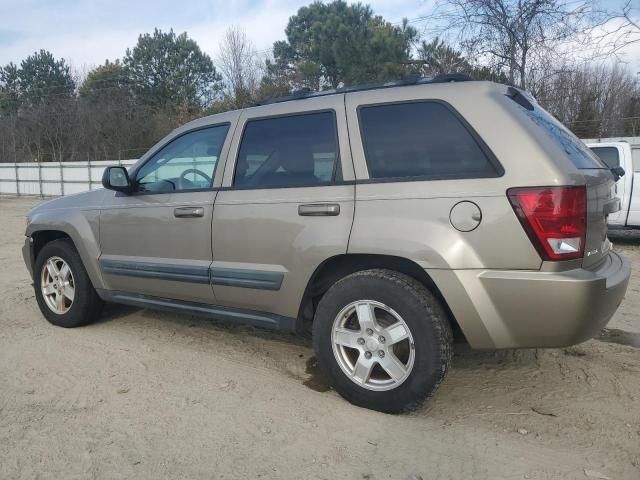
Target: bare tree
{"points": [[594, 101], [516, 35], [634, 23], [240, 66], [625, 24]]}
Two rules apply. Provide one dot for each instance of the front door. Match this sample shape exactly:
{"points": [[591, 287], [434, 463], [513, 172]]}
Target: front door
{"points": [[286, 204], [157, 240]]}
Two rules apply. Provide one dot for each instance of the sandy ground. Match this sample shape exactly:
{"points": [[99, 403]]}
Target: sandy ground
{"points": [[143, 394]]}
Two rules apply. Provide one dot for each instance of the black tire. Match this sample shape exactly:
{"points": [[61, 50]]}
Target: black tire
{"points": [[425, 318], [86, 306]]}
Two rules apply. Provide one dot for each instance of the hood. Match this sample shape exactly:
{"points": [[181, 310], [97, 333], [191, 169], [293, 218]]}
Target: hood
{"points": [[85, 200]]}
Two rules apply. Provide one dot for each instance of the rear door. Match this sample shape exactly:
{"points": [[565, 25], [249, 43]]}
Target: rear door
{"points": [[286, 204]]}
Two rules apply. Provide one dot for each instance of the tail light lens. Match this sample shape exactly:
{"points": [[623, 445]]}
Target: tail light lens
{"points": [[555, 218]]}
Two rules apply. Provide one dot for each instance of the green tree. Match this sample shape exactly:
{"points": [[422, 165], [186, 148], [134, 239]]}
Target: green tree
{"points": [[106, 83], [39, 79], [276, 82], [440, 58], [9, 89], [43, 78], [336, 42], [168, 70]]}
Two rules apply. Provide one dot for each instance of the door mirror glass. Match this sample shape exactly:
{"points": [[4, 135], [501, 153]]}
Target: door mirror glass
{"points": [[116, 178]]}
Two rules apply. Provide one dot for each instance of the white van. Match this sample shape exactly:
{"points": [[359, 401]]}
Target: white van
{"points": [[623, 152]]}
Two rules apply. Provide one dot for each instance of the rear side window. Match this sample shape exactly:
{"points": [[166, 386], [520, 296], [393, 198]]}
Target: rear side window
{"points": [[421, 139], [290, 151], [609, 155], [576, 150]]}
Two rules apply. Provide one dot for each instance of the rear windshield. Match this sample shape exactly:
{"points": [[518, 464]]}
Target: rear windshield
{"points": [[608, 155], [576, 150]]}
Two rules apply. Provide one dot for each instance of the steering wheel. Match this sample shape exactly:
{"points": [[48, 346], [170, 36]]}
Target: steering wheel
{"points": [[196, 171]]}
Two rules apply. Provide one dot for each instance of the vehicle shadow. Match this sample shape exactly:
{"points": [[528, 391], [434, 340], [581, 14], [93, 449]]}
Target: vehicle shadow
{"points": [[624, 237], [464, 356], [112, 311], [186, 323]]}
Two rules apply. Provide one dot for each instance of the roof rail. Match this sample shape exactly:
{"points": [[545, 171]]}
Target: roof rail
{"points": [[408, 80]]}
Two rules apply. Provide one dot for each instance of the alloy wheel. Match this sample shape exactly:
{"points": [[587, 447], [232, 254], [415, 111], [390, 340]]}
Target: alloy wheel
{"points": [[57, 285], [373, 345]]}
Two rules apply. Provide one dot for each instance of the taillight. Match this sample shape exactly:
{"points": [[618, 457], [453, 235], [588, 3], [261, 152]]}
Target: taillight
{"points": [[555, 218]]}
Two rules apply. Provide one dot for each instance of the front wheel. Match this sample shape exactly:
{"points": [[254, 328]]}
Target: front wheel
{"points": [[383, 340], [63, 289]]}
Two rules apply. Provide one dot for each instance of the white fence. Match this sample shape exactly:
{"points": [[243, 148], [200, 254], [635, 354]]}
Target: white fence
{"points": [[53, 178]]}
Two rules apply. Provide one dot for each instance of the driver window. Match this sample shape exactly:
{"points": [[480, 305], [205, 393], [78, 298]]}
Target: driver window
{"points": [[187, 163]]}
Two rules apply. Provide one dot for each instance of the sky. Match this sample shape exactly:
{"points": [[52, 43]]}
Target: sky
{"points": [[86, 32]]}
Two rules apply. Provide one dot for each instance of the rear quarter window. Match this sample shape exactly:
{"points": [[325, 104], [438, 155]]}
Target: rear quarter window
{"points": [[579, 154], [425, 140]]}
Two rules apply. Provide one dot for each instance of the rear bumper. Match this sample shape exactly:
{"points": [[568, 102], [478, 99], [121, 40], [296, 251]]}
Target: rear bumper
{"points": [[517, 309]]}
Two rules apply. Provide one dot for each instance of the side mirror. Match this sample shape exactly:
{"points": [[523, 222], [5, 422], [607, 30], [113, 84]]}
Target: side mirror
{"points": [[618, 172], [117, 178]]}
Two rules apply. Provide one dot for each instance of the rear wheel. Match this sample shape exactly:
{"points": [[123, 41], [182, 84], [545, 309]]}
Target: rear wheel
{"points": [[63, 290], [383, 340]]}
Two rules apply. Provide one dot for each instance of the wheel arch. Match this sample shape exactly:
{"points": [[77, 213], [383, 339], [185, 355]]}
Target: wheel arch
{"points": [[339, 266], [45, 234], [42, 237]]}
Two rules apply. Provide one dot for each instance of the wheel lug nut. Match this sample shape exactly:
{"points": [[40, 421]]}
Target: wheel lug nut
{"points": [[380, 353], [381, 339], [369, 331], [361, 341], [367, 354]]}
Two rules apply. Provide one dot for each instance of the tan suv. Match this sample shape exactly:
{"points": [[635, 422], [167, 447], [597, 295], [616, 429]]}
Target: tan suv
{"points": [[386, 217]]}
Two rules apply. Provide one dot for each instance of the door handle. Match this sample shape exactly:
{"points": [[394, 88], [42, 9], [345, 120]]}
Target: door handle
{"points": [[188, 212], [319, 210]]}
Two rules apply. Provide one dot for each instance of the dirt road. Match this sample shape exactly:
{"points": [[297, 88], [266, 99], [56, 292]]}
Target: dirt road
{"points": [[143, 394]]}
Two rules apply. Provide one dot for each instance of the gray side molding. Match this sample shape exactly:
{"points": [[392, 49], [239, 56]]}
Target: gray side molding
{"points": [[231, 277], [160, 271], [235, 277]]}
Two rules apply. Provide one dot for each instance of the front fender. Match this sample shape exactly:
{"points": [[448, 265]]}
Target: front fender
{"points": [[82, 226]]}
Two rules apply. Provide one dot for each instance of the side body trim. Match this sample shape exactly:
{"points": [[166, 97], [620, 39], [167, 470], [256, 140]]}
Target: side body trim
{"points": [[158, 271], [231, 277], [235, 277]]}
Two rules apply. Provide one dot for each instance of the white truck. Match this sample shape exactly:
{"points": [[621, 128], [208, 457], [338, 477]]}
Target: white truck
{"points": [[622, 152]]}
